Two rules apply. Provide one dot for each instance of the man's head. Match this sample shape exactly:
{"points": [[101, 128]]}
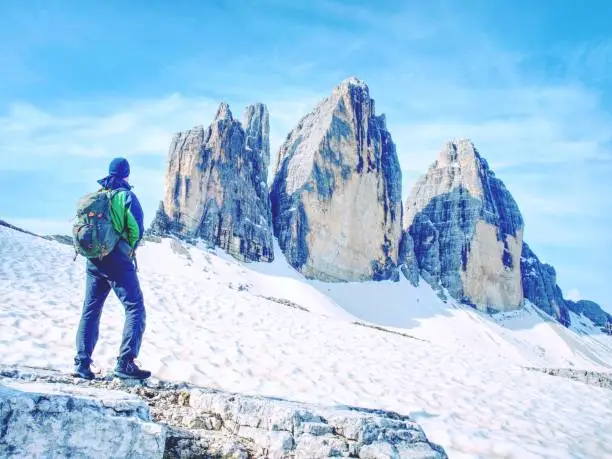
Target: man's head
{"points": [[120, 168]]}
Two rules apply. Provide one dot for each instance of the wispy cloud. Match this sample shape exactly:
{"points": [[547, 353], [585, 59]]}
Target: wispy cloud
{"points": [[589, 62], [31, 137], [573, 294]]}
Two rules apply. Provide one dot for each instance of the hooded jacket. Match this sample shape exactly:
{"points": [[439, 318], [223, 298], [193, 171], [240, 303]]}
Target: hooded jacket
{"points": [[126, 212]]}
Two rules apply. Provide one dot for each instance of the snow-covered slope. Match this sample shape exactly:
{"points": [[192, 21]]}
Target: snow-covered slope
{"points": [[263, 329]]}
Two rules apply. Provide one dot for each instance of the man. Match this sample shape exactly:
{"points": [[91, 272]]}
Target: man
{"points": [[116, 270]]}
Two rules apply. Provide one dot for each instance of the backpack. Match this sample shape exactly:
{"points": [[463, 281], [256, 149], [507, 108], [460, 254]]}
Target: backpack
{"points": [[94, 235]]}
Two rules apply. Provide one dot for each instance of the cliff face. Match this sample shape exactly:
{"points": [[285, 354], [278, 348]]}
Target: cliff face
{"points": [[593, 311], [216, 185], [540, 286], [408, 262], [336, 196], [467, 230]]}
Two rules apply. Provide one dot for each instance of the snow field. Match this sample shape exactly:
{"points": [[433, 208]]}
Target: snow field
{"points": [[462, 380]]}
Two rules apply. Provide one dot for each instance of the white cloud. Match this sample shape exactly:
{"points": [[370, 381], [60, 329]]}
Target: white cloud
{"points": [[535, 125], [32, 137], [589, 61], [573, 294]]}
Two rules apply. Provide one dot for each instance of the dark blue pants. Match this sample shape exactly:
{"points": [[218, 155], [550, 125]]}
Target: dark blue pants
{"points": [[116, 271]]}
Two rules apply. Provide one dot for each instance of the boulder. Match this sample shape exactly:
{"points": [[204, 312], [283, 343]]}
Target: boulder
{"points": [[58, 420]]}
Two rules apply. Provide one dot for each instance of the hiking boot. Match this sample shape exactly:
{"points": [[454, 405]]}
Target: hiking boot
{"points": [[129, 370], [82, 370]]}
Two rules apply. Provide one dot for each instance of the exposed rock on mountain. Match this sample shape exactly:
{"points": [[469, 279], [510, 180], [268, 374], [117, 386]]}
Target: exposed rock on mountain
{"points": [[216, 185], [407, 259], [467, 230], [336, 196], [53, 420], [591, 310], [592, 378], [540, 286], [188, 422]]}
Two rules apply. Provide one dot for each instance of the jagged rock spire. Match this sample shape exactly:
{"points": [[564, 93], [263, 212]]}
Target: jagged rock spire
{"points": [[224, 112], [216, 186]]}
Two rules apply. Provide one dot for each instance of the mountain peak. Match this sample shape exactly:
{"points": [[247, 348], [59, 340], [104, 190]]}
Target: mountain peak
{"points": [[216, 186], [336, 169], [352, 81], [462, 142], [456, 151], [472, 214], [224, 112]]}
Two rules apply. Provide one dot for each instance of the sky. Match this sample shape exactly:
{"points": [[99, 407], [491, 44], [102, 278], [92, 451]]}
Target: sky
{"points": [[528, 82]]}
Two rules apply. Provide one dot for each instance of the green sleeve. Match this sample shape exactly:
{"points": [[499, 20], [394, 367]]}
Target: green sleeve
{"points": [[123, 220], [132, 229], [118, 213]]}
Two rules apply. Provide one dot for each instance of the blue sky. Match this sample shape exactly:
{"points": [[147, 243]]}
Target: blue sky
{"points": [[528, 82]]}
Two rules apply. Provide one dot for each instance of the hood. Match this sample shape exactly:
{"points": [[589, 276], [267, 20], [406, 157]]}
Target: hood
{"points": [[112, 182]]}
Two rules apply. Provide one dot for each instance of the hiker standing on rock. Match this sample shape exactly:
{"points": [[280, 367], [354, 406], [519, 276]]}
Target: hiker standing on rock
{"points": [[108, 228]]}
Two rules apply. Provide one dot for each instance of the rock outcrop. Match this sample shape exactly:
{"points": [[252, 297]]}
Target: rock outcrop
{"points": [[195, 422], [540, 286], [467, 230], [60, 420], [216, 185], [592, 311], [408, 263], [336, 196], [592, 378]]}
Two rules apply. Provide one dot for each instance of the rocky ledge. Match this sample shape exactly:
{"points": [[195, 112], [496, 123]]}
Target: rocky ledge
{"points": [[593, 378], [45, 413]]}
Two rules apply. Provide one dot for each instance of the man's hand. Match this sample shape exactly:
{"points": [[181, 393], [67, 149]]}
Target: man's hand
{"points": [[133, 257]]}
